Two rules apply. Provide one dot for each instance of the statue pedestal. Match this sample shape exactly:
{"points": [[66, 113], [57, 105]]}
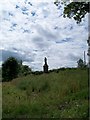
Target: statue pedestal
{"points": [[45, 68]]}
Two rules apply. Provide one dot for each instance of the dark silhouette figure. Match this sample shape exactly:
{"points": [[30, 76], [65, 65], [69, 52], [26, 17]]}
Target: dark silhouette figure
{"points": [[45, 67]]}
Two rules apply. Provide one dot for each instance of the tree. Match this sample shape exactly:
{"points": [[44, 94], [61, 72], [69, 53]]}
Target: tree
{"points": [[76, 10], [81, 64], [25, 70], [10, 69]]}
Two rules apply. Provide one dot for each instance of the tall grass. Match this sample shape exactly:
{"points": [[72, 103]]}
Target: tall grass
{"points": [[56, 94]]}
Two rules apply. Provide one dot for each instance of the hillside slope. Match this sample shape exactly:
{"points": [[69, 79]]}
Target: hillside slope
{"points": [[62, 94]]}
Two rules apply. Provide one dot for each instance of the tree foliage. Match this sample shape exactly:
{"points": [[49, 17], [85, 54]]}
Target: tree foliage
{"points": [[10, 69], [81, 64], [76, 10], [25, 70], [13, 68]]}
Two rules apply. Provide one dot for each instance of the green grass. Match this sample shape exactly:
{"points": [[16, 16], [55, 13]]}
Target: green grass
{"points": [[53, 95]]}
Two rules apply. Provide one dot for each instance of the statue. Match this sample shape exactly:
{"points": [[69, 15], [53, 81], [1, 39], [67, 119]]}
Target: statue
{"points": [[45, 60], [45, 67]]}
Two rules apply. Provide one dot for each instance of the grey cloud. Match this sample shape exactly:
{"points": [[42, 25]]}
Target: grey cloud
{"points": [[73, 57], [24, 9], [33, 13], [38, 39], [17, 6], [64, 40], [46, 33], [25, 13], [69, 27], [40, 42], [11, 14], [30, 3], [7, 53]]}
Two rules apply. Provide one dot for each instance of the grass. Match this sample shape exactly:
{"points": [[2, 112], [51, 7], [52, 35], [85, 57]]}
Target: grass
{"points": [[62, 94]]}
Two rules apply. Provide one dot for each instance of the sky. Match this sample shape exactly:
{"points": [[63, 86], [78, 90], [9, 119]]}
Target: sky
{"points": [[31, 30]]}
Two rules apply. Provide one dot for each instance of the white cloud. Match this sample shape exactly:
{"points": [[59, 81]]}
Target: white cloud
{"points": [[36, 29]]}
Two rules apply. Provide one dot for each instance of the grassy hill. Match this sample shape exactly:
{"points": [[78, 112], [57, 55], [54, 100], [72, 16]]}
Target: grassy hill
{"points": [[62, 94]]}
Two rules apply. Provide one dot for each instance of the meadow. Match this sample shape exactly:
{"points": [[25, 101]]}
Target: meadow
{"points": [[57, 94]]}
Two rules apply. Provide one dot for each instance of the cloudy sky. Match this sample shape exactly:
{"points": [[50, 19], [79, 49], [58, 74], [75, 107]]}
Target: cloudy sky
{"points": [[33, 29]]}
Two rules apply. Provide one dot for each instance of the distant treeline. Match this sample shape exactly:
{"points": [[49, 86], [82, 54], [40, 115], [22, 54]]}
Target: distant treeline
{"points": [[13, 68], [54, 70]]}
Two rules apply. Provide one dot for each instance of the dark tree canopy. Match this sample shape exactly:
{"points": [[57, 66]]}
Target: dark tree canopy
{"points": [[13, 68], [81, 64], [10, 69], [76, 10]]}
